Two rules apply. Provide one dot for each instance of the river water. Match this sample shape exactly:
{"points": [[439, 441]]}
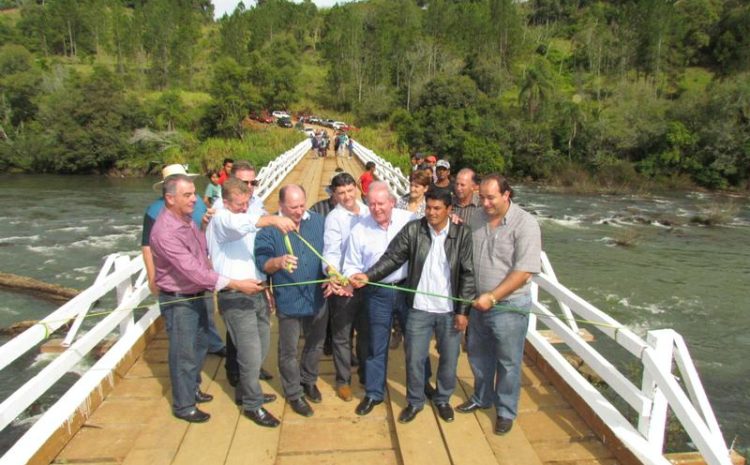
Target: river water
{"points": [[639, 258]]}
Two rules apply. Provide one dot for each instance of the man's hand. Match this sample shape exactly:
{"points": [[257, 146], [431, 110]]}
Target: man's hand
{"points": [[207, 217], [359, 280], [483, 302], [460, 322], [288, 262], [248, 286], [283, 224], [455, 219]]}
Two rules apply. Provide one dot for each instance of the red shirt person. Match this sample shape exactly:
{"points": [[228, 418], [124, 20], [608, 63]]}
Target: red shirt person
{"points": [[367, 178], [226, 170]]}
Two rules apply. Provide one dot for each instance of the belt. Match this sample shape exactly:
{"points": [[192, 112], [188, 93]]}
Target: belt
{"points": [[179, 294], [228, 291], [397, 283]]}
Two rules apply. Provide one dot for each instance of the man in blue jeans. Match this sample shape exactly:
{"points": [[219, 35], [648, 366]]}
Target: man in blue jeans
{"points": [[507, 249], [439, 256]]}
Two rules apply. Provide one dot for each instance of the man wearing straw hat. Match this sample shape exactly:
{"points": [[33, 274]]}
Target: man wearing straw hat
{"points": [[183, 274]]}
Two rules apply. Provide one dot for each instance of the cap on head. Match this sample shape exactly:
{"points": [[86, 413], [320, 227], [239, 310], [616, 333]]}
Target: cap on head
{"points": [[443, 164]]}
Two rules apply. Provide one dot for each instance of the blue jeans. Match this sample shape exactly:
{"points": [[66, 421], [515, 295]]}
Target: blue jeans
{"points": [[215, 343], [246, 317], [381, 305], [186, 322], [495, 346], [420, 327], [296, 372]]}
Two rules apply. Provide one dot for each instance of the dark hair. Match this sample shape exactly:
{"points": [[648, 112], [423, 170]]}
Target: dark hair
{"points": [[424, 166], [442, 195], [342, 179], [242, 165], [211, 173], [227, 160], [420, 177], [369, 165], [502, 182]]}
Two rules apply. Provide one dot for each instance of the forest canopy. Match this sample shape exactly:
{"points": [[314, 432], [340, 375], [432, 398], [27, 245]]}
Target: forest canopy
{"points": [[550, 90]]}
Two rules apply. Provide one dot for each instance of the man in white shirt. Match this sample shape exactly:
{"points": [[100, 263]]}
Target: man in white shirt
{"points": [[231, 239], [367, 242], [344, 310], [440, 267]]}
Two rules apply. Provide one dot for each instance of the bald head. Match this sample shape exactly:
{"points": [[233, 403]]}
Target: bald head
{"points": [[293, 202], [465, 186]]}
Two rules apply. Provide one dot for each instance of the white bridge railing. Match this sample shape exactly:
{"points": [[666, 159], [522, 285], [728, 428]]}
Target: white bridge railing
{"points": [[659, 388], [385, 170], [126, 277]]}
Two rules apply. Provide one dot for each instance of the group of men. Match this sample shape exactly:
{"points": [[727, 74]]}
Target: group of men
{"points": [[466, 264]]}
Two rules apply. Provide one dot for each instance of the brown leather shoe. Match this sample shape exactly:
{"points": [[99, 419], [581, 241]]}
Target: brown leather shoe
{"points": [[344, 392]]}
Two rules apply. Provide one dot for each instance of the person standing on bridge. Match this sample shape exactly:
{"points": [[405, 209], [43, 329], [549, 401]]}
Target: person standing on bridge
{"points": [[231, 241], [300, 306], [183, 274], [344, 311], [466, 203], [366, 178], [507, 250], [439, 256]]}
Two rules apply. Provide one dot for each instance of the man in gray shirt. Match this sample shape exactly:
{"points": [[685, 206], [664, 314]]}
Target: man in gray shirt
{"points": [[507, 248]]}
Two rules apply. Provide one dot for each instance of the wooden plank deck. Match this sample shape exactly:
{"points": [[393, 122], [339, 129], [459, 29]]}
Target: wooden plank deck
{"points": [[134, 425]]}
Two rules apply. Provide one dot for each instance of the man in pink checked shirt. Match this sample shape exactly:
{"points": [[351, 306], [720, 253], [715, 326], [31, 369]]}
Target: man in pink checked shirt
{"points": [[183, 275]]}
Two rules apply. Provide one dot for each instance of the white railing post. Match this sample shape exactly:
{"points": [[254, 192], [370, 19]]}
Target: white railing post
{"points": [[653, 425], [124, 289], [549, 271]]}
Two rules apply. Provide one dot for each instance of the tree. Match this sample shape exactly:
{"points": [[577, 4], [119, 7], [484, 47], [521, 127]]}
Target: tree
{"points": [[19, 84], [536, 87]]}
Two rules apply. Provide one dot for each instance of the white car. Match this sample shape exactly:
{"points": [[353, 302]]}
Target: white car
{"points": [[309, 132], [339, 124], [280, 114]]}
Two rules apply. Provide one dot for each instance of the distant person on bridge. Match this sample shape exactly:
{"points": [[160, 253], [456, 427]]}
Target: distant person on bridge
{"points": [[213, 189], [183, 274], [440, 266], [443, 177], [507, 251], [226, 170], [367, 178], [345, 311], [231, 242], [300, 307]]}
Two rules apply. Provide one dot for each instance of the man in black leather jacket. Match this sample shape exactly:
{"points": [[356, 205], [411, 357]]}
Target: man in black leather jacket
{"points": [[440, 267]]}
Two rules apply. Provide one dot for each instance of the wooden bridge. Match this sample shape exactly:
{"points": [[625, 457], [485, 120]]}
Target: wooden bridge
{"points": [[134, 425]]}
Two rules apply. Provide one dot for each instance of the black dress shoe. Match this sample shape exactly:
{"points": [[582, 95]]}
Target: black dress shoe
{"points": [[469, 406], [445, 411], [264, 375], [408, 414], [233, 378], [267, 398], [194, 416], [429, 391], [503, 426], [312, 393], [366, 406], [301, 407], [220, 353], [202, 397], [262, 417]]}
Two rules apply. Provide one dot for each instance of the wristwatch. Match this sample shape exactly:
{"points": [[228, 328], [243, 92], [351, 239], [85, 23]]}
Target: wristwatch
{"points": [[492, 299]]}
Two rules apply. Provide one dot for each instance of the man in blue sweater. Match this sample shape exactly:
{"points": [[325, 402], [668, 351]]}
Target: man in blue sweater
{"points": [[300, 308]]}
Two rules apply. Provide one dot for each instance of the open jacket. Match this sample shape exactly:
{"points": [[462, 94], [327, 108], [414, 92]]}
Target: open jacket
{"points": [[412, 244]]}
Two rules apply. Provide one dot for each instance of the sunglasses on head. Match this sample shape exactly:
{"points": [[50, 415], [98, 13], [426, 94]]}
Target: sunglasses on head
{"points": [[253, 183]]}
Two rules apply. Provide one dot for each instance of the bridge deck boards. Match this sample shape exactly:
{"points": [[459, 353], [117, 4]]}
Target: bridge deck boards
{"points": [[134, 426]]}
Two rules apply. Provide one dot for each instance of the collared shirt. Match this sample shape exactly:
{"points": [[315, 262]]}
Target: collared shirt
{"points": [[231, 243], [255, 206], [368, 241], [467, 212], [157, 206], [339, 224], [302, 300], [180, 256], [436, 276], [515, 245]]}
